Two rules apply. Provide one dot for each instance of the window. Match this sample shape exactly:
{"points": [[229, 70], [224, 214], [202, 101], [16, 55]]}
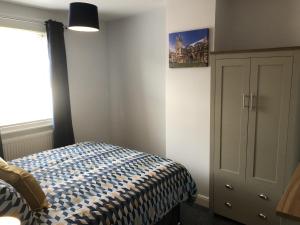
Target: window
{"points": [[25, 90]]}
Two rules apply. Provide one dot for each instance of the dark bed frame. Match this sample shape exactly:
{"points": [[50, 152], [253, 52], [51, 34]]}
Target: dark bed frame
{"points": [[172, 218]]}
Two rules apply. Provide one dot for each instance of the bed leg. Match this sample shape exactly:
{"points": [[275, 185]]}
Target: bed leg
{"points": [[179, 214]]}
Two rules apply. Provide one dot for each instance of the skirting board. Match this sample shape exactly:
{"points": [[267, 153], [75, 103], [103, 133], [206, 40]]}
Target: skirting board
{"points": [[202, 200]]}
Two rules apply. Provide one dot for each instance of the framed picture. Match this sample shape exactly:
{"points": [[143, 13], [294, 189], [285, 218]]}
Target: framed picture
{"points": [[189, 48]]}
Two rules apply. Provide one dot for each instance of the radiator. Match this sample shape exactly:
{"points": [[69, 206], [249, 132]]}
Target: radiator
{"points": [[28, 144]]}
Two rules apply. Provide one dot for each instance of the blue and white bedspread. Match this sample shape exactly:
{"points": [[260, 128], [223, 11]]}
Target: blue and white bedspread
{"points": [[97, 183]]}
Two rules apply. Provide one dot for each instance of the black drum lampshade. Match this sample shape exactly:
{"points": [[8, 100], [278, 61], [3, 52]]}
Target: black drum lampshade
{"points": [[83, 17]]}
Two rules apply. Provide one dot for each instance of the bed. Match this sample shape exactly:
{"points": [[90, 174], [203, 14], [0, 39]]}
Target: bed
{"points": [[98, 183]]}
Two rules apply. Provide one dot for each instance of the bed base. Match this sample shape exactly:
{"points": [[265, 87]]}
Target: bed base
{"points": [[172, 218]]}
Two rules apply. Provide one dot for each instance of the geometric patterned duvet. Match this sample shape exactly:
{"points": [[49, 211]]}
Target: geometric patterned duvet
{"points": [[97, 183]]}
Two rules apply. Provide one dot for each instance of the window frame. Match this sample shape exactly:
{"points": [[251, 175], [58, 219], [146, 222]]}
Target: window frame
{"points": [[7, 131], [27, 128]]}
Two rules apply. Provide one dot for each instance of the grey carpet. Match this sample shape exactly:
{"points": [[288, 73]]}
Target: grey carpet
{"points": [[192, 214]]}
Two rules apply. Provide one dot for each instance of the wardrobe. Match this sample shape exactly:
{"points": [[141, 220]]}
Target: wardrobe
{"points": [[255, 131]]}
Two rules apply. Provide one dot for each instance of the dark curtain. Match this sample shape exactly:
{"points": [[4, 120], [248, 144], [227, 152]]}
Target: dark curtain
{"points": [[1, 148], [62, 121]]}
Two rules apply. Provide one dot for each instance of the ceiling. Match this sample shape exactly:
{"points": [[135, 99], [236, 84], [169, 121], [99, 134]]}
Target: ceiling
{"points": [[109, 9]]}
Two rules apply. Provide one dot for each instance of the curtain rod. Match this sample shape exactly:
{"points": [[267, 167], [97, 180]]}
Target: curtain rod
{"points": [[33, 21], [22, 19]]}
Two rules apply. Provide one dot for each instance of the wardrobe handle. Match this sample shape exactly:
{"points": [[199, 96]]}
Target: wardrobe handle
{"points": [[228, 204], [244, 101], [262, 216], [228, 186], [252, 101], [263, 196]]}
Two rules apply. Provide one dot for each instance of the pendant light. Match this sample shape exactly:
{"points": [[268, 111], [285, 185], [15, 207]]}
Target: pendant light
{"points": [[83, 17]]}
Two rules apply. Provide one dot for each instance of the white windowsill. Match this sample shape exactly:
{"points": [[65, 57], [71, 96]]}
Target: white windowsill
{"points": [[26, 128]]}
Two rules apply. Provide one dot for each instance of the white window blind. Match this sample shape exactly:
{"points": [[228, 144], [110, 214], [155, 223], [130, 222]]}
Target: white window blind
{"points": [[25, 90]]}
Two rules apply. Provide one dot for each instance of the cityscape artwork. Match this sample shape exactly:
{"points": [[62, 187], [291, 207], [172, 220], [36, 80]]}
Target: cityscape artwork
{"points": [[189, 48]]}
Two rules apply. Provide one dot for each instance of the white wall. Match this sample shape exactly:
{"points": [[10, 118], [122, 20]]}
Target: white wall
{"points": [[137, 76], [87, 65], [89, 84], [188, 95], [244, 24]]}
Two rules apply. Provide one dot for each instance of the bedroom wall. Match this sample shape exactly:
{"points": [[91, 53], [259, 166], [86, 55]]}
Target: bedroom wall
{"points": [[188, 96], [87, 65], [89, 84], [243, 24], [137, 81]]}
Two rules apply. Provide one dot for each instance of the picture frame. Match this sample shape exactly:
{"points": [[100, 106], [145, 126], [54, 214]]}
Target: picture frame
{"points": [[189, 48]]}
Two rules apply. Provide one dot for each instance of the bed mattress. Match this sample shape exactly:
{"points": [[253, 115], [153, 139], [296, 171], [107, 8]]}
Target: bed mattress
{"points": [[97, 183]]}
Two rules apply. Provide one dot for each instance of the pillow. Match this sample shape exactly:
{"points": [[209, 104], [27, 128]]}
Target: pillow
{"points": [[13, 204], [2, 161], [25, 184]]}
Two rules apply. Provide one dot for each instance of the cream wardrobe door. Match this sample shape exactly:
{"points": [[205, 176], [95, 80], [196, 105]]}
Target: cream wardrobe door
{"points": [[231, 116], [270, 86]]}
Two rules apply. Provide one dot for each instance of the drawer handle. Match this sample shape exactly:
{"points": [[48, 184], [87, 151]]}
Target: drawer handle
{"points": [[228, 204], [228, 186], [262, 216], [263, 196]]}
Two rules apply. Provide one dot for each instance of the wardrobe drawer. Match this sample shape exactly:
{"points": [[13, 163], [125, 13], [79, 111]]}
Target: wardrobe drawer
{"points": [[228, 203], [262, 210], [260, 215]]}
